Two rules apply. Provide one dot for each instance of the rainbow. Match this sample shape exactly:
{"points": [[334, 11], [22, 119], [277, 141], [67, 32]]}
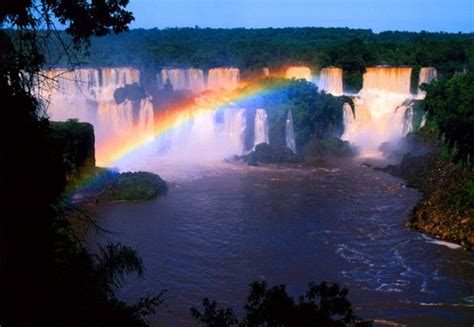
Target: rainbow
{"points": [[167, 121]]}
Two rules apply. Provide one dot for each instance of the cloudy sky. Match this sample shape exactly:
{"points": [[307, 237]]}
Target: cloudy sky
{"points": [[379, 15]]}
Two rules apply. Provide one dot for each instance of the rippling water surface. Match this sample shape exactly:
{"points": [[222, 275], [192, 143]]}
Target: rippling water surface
{"points": [[223, 226]]}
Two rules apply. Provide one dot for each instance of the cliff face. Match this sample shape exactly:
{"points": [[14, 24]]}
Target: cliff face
{"points": [[445, 210], [74, 145]]}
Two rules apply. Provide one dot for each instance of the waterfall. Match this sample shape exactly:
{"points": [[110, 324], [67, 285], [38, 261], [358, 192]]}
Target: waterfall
{"points": [[265, 72], [261, 127], [175, 77], [223, 79], [387, 79], [423, 120], [182, 79], [195, 80], [299, 72], [87, 95], [234, 126], [290, 132], [383, 109], [427, 75], [349, 121], [146, 119], [69, 94], [114, 121], [201, 134], [111, 79], [408, 118], [330, 81]]}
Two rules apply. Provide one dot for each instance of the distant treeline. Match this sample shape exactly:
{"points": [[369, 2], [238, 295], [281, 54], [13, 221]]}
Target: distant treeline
{"points": [[351, 49]]}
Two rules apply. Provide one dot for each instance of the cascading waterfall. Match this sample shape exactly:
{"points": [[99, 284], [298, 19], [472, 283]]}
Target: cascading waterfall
{"points": [[423, 120], [175, 77], [182, 79], [196, 80], [394, 80], [235, 124], [408, 118], [349, 121], [427, 75], [380, 109], [290, 132], [261, 127], [202, 134], [330, 81], [299, 72], [87, 95], [383, 110], [223, 79], [265, 72]]}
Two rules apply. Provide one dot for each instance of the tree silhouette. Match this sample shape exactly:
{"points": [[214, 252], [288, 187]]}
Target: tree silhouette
{"points": [[47, 275], [323, 305]]}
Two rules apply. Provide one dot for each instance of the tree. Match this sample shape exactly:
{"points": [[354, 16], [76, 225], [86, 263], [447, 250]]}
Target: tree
{"points": [[449, 106], [323, 305], [47, 277]]}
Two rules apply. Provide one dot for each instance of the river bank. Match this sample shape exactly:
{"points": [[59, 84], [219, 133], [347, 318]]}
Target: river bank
{"points": [[445, 210]]}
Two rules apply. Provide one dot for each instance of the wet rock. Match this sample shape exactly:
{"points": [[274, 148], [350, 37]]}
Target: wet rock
{"points": [[445, 210], [253, 163], [268, 153]]}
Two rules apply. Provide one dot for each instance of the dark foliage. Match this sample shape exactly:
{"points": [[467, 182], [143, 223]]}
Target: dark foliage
{"points": [[270, 153], [248, 49], [108, 185], [449, 103], [329, 147], [315, 115], [47, 276], [132, 92], [446, 209], [76, 143], [323, 305]]}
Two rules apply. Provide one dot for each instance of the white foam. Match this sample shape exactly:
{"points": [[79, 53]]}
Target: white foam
{"points": [[450, 245]]}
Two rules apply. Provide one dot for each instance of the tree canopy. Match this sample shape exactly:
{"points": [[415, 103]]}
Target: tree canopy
{"points": [[323, 304], [276, 48], [48, 277]]}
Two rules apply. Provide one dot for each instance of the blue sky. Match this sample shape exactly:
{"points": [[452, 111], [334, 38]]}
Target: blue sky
{"points": [[379, 15]]}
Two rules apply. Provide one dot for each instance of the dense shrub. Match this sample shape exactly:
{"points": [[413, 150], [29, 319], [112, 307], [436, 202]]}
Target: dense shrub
{"points": [[132, 92], [323, 304]]}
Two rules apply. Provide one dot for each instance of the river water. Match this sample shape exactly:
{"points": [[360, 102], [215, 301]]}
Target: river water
{"points": [[223, 226]]}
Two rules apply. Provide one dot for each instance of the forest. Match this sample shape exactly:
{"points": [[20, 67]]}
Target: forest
{"points": [[57, 277], [248, 49]]}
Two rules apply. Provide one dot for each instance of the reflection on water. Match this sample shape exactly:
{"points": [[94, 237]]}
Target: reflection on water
{"points": [[221, 227]]}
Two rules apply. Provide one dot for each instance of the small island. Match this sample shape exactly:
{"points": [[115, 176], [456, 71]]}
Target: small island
{"points": [[109, 185]]}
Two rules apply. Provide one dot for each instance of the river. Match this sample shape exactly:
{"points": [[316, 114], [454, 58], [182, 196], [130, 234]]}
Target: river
{"points": [[222, 226]]}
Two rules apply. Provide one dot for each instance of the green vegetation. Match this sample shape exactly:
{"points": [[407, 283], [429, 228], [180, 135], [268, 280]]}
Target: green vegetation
{"points": [[135, 186], [132, 92], [322, 305], [108, 185], [49, 276], [445, 176], [446, 209], [449, 104], [315, 115], [75, 141], [249, 49], [329, 147], [270, 153]]}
